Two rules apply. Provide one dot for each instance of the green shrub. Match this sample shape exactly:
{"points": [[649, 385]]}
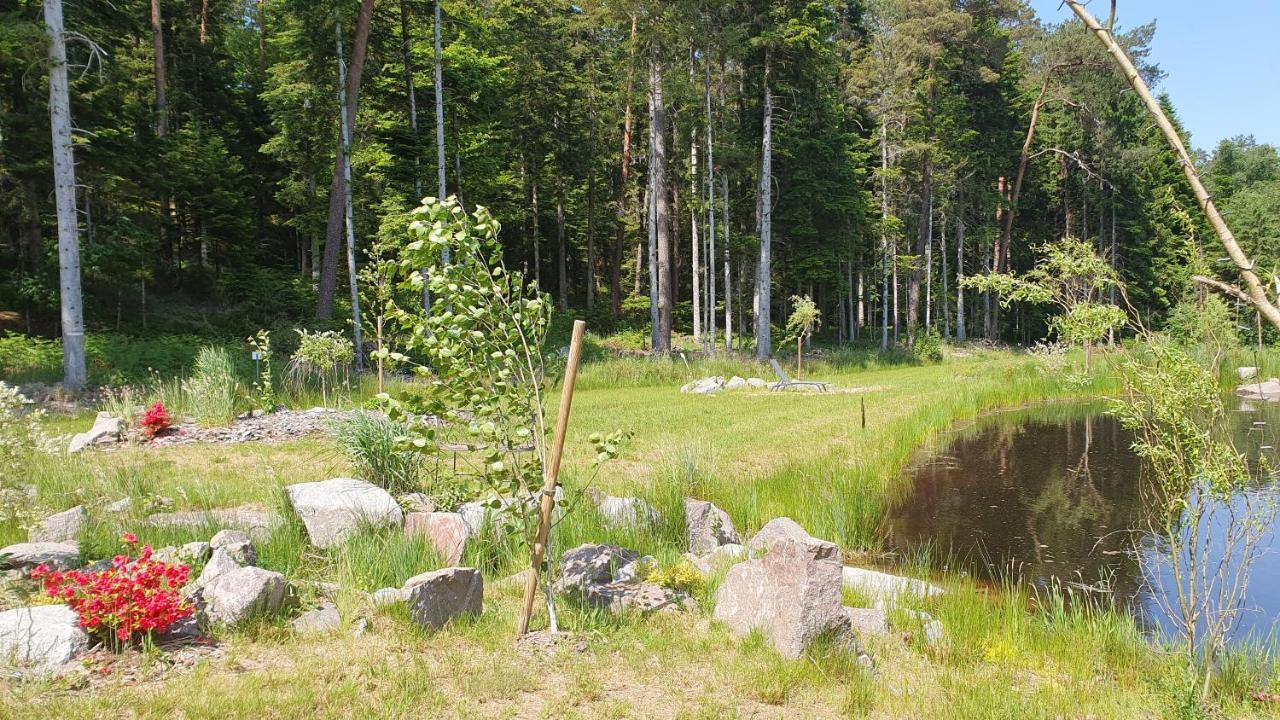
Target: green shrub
{"points": [[1202, 321], [324, 357], [213, 388], [928, 347], [369, 441]]}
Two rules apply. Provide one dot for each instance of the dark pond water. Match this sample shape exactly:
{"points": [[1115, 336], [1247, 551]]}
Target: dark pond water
{"points": [[1050, 496]]}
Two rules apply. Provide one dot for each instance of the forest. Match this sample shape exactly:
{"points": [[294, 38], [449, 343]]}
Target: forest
{"points": [[658, 166]]}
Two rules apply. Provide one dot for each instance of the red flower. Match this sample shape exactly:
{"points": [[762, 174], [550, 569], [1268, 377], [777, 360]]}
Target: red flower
{"points": [[155, 419], [128, 538]]}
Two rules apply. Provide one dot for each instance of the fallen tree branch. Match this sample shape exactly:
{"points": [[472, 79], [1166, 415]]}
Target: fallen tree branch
{"points": [[1223, 288], [1254, 288]]}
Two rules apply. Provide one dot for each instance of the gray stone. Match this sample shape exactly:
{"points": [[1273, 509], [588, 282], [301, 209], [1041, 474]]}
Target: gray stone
{"points": [[884, 586], [106, 430], [24, 556], [235, 596], [1268, 390], [627, 512], [256, 520], [219, 564], [167, 554], [386, 596], [41, 637], [708, 527], [62, 527], [235, 543], [437, 597], [782, 528], [591, 564], [868, 622], [705, 386], [637, 569], [757, 383], [194, 551], [333, 509], [735, 383], [721, 557], [447, 533], [322, 619], [791, 595], [1247, 373], [634, 596], [417, 502]]}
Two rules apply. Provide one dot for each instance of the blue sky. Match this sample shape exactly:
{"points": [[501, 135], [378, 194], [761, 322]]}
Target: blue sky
{"points": [[1221, 61]]}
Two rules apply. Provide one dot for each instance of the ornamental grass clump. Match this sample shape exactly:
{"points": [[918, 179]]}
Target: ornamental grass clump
{"points": [[130, 601]]}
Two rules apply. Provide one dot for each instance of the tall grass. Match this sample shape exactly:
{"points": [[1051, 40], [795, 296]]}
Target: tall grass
{"points": [[214, 388], [369, 441]]}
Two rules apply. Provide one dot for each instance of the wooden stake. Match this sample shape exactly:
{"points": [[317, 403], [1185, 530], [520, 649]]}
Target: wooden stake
{"points": [[551, 473]]}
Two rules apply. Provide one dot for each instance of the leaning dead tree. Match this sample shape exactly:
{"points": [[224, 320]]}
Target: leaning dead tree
{"points": [[1255, 292]]}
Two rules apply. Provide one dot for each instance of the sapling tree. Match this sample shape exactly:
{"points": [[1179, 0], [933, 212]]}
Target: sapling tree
{"points": [[263, 385], [805, 318], [325, 356], [1072, 276], [479, 348]]}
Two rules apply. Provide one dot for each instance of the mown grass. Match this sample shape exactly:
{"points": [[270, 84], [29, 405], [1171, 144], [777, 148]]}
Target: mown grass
{"points": [[758, 455]]}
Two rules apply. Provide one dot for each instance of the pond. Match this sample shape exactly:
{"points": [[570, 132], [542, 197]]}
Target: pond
{"points": [[1050, 496]]}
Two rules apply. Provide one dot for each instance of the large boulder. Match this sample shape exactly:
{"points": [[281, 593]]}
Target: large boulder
{"points": [[106, 429], [735, 383], [63, 527], [447, 533], [776, 530], [718, 559], [1268, 390], [791, 595], [333, 509], [626, 511], [867, 622], [1247, 372], [435, 598], [633, 595], [881, 586], [41, 637], [479, 513], [709, 527], [705, 386], [235, 596], [24, 556], [221, 563], [237, 544], [592, 564], [322, 619]]}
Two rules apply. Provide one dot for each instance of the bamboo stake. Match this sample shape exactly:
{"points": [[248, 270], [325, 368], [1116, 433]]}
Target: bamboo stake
{"points": [[1254, 289], [551, 474]]}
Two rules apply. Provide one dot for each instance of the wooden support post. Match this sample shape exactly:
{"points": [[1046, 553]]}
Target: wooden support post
{"points": [[551, 474]]}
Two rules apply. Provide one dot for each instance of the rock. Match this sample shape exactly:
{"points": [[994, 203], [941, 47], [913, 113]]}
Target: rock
{"points": [[447, 532], [1247, 373], [709, 527], [437, 597], [235, 543], [705, 386], [235, 596], [417, 502], [591, 564], [757, 383], [1268, 390], [106, 430], [932, 630], [333, 509], [633, 595], [627, 511], [322, 619], [386, 596], [194, 552], [219, 564], [167, 554], [867, 622], [41, 637], [735, 383], [884, 586], [62, 527], [719, 558], [119, 506], [791, 595], [783, 528], [24, 556], [637, 569], [256, 520]]}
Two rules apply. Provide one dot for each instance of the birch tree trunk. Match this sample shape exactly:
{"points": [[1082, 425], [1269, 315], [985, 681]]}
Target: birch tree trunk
{"points": [[960, 320], [64, 182], [696, 264], [764, 340], [711, 213], [615, 271], [661, 210], [884, 234], [728, 279], [333, 228], [440, 154], [346, 120]]}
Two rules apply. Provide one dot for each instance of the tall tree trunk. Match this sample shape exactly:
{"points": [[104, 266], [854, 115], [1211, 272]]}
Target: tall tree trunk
{"points": [[406, 49], [157, 46], [337, 191], [615, 271], [591, 216], [204, 21], [764, 340], [661, 211], [439, 92], [711, 212], [946, 282], [262, 39], [696, 262], [537, 237], [728, 279], [346, 118], [960, 320], [884, 234], [64, 183], [651, 225], [562, 261]]}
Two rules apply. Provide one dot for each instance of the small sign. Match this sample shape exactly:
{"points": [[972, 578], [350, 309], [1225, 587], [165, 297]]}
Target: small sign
{"points": [[257, 355]]}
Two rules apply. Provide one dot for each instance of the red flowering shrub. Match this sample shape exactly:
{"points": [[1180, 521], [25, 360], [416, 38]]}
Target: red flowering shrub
{"points": [[155, 419], [134, 597]]}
